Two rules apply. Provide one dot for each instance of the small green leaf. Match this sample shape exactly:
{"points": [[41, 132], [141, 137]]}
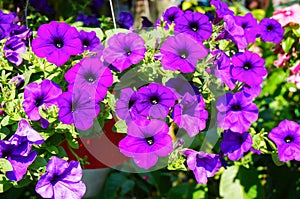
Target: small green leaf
{"points": [[5, 165], [287, 44], [296, 31], [4, 184], [121, 126], [276, 160]]}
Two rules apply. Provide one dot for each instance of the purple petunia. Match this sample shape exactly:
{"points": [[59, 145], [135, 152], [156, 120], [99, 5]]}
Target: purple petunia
{"points": [[170, 15], [234, 145], [181, 52], [190, 114], [124, 50], [17, 150], [22, 32], [77, 107], [155, 100], [57, 41], [250, 26], [248, 67], [145, 143], [41, 6], [236, 112], [38, 96], [90, 75], [125, 20], [287, 139], [195, 24], [6, 21], [61, 180], [271, 30], [89, 40], [203, 165], [125, 106], [88, 20], [221, 9], [252, 91], [13, 48]]}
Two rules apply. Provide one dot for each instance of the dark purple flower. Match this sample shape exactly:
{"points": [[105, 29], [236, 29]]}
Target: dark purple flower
{"points": [[77, 107], [124, 50], [13, 47], [221, 8], [6, 22], [203, 165], [250, 26], [222, 68], [190, 114], [125, 20], [89, 40], [18, 80], [180, 87], [252, 91], [88, 20], [38, 96], [41, 6], [57, 41], [248, 67], [62, 180], [236, 112], [22, 32], [155, 100], [195, 24], [170, 15], [90, 75], [97, 3], [146, 23], [234, 145], [287, 139], [125, 106], [181, 52], [271, 30], [145, 143]]}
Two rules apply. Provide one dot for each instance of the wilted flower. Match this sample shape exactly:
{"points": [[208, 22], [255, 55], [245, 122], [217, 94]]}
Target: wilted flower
{"points": [[13, 48]]}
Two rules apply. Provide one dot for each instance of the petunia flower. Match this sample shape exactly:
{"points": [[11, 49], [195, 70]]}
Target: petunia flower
{"points": [[42, 6], [124, 50], [287, 139], [146, 143], [221, 9], [195, 24], [13, 48], [89, 40], [22, 32], [62, 180], [236, 112], [6, 22], [125, 20], [169, 16], [181, 52], [288, 15], [18, 80], [250, 26], [271, 31], [90, 75], [89, 21], [155, 100], [125, 106], [234, 145], [252, 91], [203, 165], [248, 67], [57, 41], [77, 107], [38, 96], [190, 114]]}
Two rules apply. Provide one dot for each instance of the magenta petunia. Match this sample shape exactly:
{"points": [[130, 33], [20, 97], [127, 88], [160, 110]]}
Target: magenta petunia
{"points": [[56, 42], [89, 40]]}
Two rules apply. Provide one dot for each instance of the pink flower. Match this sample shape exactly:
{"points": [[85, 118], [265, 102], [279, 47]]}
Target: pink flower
{"points": [[295, 76], [281, 60], [288, 15], [295, 68]]}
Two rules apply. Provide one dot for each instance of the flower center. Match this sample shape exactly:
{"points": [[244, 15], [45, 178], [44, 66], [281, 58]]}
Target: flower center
{"points": [[270, 28], [55, 179], [194, 26], [247, 66], [86, 43], [244, 25], [150, 140], [236, 107], [288, 13], [128, 51], [154, 100], [171, 18], [38, 102], [183, 54], [58, 42], [131, 103], [74, 106], [91, 78], [288, 139]]}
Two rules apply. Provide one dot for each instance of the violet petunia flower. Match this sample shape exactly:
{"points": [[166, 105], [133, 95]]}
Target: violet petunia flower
{"points": [[195, 24], [22, 32], [236, 112], [125, 106], [169, 16], [125, 20], [271, 31], [203, 165], [145, 143], [6, 22], [181, 52], [221, 9], [248, 67], [286, 136], [42, 6], [38, 96], [89, 40], [56, 42], [61, 180], [252, 91], [146, 23], [190, 114], [234, 145], [124, 50], [13, 48], [18, 80], [77, 107], [155, 100], [250, 26], [88, 20]]}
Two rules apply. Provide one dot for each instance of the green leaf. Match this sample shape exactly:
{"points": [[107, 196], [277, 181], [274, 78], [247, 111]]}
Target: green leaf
{"points": [[182, 191], [121, 126], [4, 131], [5, 165], [5, 121], [276, 160], [287, 44], [259, 14], [127, 186], [38, 163], [296, 31], [116, 185], [111, 32], [4, 184], [52, 150]]}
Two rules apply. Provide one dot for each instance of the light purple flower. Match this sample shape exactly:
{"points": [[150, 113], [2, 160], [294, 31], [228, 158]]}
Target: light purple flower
{"points": [[234, 145], [190, 114], [18, 80], [62, 180], [236, 112], [181, 52], [125, 106], [250, 26], [124, 50], [203, 165], [287, 139], [6, 21], [13, 48], [145, 143], [57, 41], [89, 40], [221, 8]]}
